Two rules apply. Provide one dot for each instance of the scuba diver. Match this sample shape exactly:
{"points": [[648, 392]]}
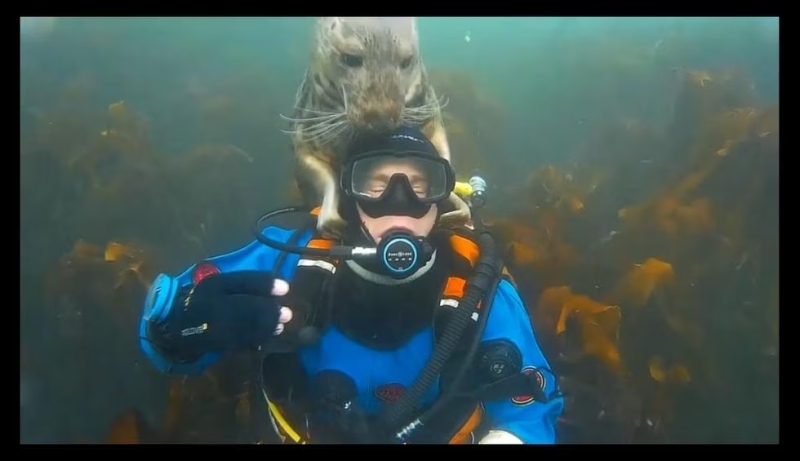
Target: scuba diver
{"points": [[399, 332]]}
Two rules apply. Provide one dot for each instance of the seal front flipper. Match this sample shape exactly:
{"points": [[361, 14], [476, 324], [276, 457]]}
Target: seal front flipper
{"points": [[319, 175], [461, 214], [458, 217]]}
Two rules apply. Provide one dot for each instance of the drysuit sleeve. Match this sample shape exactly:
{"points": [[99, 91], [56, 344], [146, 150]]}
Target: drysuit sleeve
{"points": [[168, 291], [526, 419]]}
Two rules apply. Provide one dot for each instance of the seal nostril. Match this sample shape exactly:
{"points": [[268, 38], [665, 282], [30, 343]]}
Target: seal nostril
{"points": [[387, 117], [370, 117]]}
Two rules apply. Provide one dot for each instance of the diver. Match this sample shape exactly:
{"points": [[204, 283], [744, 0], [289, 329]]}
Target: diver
{"points": [[400, 332]]}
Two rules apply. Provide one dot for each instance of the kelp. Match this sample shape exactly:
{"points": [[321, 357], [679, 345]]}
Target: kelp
{"points": [[679, 285]]}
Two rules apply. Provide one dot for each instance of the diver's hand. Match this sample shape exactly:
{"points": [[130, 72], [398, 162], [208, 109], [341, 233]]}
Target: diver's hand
{"points": [[235, 309], [498, 437]]}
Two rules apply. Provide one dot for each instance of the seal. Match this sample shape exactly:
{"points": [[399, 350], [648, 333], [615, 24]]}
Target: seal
{"points": [[365, 76]]}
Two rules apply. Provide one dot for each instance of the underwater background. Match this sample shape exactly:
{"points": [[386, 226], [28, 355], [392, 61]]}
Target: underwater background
{"points": [[633, 173]]}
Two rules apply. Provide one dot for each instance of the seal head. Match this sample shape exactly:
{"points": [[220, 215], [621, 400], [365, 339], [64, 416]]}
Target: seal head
{"points": [[376, 61]]}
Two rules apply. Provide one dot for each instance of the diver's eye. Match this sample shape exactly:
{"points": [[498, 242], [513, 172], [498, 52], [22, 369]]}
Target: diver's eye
{"points": [[405, 63], [351, 60]]}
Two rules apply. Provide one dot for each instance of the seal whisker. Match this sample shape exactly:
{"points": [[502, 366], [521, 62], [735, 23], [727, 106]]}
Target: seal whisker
{"points": [[318, 112], [337, 131], [429, 108], [299, 93], [308, 131], [318, 118], [321, 126], [322, 136], [422, 113], [324, 132]]}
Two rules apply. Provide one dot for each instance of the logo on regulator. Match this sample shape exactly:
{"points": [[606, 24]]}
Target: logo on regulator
{"points": [[400, 255]]}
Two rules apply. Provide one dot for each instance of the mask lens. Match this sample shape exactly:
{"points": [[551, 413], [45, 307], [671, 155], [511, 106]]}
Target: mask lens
{"points": [[427, 176]]}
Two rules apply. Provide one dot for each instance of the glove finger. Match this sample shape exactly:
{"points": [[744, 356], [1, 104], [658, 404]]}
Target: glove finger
{"points": [[255, 283], [280, 287], [286, 315]]}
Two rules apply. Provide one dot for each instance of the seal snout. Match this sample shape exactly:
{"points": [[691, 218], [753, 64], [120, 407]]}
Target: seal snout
{"points": [[381, 120], [378, 113]]}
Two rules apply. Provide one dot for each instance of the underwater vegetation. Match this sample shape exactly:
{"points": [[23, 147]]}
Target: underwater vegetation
{"points": [[653, 271], [650, 266], [103, 211]]}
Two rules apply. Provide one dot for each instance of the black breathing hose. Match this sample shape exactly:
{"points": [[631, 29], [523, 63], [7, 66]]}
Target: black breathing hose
{"points": [[395, 417], [458, 378], [335, 252]]}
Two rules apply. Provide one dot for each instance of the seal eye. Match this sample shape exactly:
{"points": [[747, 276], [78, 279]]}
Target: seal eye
{"points": [[351, 60], [406, 62]]}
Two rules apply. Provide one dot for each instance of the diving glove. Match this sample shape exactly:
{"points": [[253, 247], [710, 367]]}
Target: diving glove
{"points": [[225, 311]]}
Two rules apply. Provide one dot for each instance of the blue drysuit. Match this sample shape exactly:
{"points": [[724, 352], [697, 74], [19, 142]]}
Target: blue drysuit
{"points": [[530, 421]]}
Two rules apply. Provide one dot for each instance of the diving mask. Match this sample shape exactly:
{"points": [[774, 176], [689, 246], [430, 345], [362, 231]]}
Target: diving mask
{"points": [[397, 183]]}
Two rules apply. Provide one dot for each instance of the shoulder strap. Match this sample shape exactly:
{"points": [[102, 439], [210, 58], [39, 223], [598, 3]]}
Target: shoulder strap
{"points": [[462, 257], [465, 254], [309, 285]]}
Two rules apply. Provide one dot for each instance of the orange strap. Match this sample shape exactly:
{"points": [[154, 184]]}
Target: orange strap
{"points": [[320, 243], [464, 435], [454, 288], [465, 248]]}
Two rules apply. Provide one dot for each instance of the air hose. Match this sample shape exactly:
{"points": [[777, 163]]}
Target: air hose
{"points": [[395, 418]]}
